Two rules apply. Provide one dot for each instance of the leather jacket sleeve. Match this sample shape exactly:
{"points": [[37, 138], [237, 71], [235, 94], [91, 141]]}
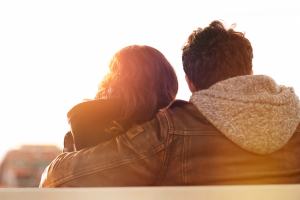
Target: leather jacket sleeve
{"points": [[133, 158]]}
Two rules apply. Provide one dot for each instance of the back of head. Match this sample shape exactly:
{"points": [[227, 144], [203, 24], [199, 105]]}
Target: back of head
{"points": [[143, 79], [214, 54]]}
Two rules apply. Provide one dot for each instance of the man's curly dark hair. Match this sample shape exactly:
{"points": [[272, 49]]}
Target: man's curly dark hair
{"points": [[214, 54]]}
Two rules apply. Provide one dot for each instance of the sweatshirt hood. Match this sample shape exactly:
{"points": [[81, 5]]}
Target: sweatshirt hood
{"points": [[252, 111]]}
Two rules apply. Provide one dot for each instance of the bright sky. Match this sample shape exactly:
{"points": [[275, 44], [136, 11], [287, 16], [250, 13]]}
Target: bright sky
{"points": [[54, 53]]}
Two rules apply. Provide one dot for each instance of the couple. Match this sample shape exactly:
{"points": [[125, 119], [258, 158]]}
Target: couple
{"points": [[237, 128]]}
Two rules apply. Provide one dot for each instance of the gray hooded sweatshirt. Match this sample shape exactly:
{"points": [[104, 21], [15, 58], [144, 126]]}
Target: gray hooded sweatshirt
{"points": [[252, 111]]}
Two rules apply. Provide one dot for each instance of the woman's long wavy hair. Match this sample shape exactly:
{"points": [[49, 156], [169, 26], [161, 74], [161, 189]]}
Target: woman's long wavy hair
{"points": [[142, 79]]}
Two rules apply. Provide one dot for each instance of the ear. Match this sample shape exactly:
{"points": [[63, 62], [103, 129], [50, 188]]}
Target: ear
{"points": [[190, 84]]}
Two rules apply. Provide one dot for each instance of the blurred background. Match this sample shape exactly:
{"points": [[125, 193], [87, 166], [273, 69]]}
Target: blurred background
{"points": [[53, 54], [23, 167]]}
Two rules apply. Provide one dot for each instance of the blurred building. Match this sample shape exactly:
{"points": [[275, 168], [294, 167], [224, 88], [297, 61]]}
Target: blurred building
{"points": [[23, 167]]}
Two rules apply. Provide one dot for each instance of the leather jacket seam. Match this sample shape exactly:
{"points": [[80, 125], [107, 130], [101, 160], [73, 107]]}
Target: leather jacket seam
{"points": [[183, 167], [163, 116]]}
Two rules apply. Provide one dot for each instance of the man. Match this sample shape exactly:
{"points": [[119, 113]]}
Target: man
{"points": [[237, 128]]}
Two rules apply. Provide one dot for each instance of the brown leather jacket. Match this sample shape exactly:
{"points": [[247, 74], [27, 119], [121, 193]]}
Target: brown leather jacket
{"points": [[178, 147]]}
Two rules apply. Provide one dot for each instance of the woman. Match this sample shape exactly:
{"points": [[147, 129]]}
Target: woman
{"points": [[140, 82]]}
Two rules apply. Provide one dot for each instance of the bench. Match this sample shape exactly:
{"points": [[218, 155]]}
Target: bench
{"points": [[256, 192]]}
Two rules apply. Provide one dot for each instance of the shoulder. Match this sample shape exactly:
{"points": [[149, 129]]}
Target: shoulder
{"points": [[184, 115], [178, 103], [95, 108], [182, 109]]}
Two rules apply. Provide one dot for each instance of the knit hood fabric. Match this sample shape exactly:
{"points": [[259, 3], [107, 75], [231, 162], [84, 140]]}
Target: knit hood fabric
{"points": [[252, 111]]}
